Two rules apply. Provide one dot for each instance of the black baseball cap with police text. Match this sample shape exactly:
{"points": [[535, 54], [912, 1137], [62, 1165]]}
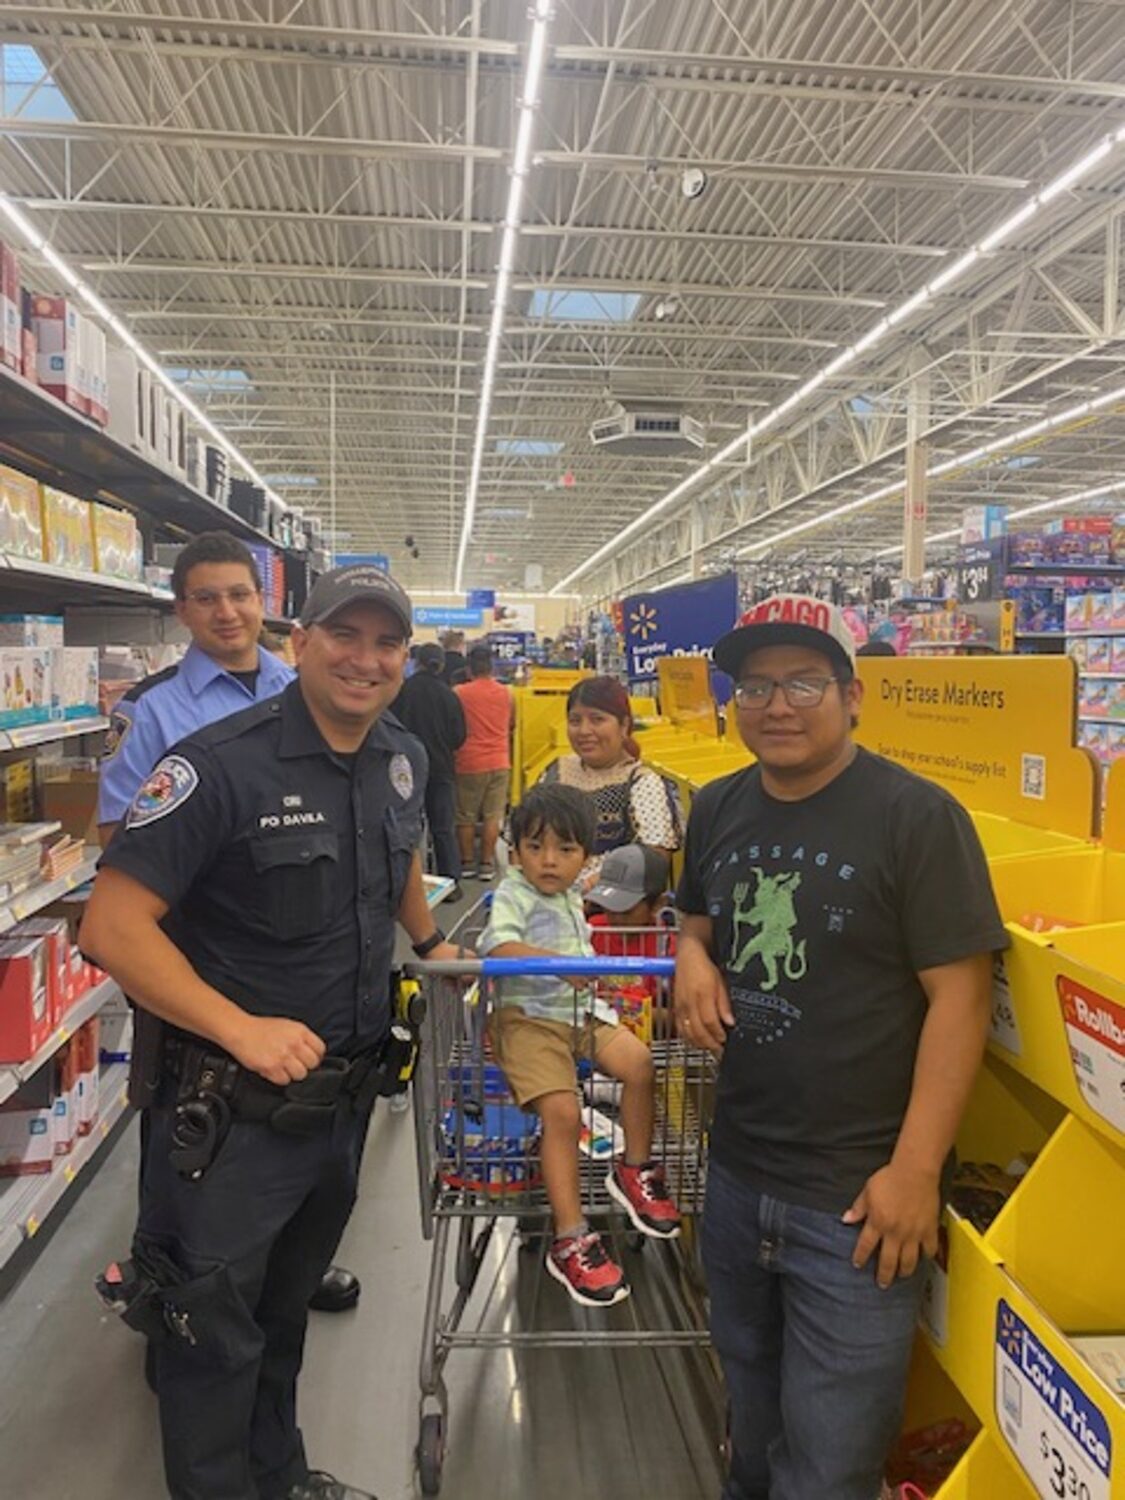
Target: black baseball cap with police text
{"points": [[357, 583]]}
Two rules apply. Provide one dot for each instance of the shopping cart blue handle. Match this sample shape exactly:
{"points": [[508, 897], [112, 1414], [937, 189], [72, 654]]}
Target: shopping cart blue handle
{"points": [[593, 968]]}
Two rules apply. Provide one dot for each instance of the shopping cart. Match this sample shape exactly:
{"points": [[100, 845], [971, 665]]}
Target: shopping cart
{"points": [[478, 1165]]}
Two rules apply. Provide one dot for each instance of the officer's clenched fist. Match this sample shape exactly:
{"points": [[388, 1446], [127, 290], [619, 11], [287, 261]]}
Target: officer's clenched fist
{"points": [[281, 1051]]}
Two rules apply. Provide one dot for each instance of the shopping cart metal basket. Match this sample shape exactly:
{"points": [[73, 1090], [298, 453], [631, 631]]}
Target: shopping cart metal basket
{"points": [[478, 1165]]}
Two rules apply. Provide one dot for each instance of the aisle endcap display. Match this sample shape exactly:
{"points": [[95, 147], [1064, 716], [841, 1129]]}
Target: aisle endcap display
{"points": [[685, 693], [1113, 821], [998, 733]]}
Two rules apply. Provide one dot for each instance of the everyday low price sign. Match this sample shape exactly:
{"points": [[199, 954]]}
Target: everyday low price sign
{"points": [[1059, 1437], [683, 621]]}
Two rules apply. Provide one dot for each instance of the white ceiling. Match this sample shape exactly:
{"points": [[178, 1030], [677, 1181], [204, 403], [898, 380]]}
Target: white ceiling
{"points": [[312, 191]]}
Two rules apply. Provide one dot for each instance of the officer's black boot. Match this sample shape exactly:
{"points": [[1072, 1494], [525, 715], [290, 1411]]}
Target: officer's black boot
{"points": [[320, 1486], [338, 1292]]}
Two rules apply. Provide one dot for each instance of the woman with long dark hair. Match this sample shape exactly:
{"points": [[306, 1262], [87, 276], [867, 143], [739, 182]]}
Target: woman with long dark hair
{"points": [[632, 803]]}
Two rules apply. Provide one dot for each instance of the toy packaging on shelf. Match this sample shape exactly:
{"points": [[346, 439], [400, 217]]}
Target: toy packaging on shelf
{"points": [[56, 323], [11, 311], [21, 515], [115, 542], [26, 686], [55, 932], [17, 791], [68, 536]]}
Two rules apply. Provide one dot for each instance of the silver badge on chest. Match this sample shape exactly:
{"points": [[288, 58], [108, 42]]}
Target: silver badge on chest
{"points": [[402, 775]]}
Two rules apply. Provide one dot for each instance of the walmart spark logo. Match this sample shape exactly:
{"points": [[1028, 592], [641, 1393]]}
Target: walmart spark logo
{"points": [[1009, 1332], [643, 619]]}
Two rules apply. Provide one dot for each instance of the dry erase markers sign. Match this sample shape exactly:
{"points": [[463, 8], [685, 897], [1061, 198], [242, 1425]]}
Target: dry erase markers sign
{"points": [[1095, 1034], [1059, 1437]]}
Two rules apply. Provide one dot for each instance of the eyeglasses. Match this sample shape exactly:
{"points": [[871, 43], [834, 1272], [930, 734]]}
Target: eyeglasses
{"points": [[209, 598], [798, 692]]}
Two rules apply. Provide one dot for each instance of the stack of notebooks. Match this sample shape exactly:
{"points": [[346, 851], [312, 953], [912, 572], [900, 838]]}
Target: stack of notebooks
{"points": [[22, 855]]}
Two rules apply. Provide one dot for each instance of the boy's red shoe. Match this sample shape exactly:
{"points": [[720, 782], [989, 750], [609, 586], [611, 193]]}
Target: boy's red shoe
{"points": [[583, 1265], [643, 1194]]}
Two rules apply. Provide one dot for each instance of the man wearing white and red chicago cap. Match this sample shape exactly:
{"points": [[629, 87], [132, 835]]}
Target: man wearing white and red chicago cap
{"points": [[838, 928]]}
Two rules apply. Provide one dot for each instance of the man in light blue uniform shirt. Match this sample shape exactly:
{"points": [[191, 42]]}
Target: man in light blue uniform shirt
{"points": [[219, 599]]}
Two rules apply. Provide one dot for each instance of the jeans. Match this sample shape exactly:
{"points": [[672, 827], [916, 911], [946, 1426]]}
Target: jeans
{"points": [[439, 815], [814, 1353]]}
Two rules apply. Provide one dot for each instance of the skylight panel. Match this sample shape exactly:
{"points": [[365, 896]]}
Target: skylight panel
{"points": [[527, 447], [28, 92], [583, 307]]}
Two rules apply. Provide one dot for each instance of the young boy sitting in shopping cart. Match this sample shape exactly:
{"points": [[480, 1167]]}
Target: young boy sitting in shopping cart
{"points": [[541, 1026]]}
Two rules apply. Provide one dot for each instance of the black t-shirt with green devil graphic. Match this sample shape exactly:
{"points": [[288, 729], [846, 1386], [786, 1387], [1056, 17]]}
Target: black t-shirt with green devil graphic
{"points": [[823, 912]]}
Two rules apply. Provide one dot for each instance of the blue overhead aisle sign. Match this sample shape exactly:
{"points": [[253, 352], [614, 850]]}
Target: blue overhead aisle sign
{"points": [[447, 619]]}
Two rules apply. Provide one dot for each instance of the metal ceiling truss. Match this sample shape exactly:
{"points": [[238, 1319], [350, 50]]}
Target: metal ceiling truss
{"points": [[315, 195]]}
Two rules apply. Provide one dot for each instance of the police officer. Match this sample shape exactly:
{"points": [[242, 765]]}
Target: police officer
{"points": [[218, 593], [249, 900]]}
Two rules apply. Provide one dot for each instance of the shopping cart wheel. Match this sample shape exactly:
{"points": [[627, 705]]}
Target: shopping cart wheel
{"points": [[430, 1452]]}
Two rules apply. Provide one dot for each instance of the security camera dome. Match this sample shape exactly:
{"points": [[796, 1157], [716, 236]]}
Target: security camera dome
{"points": [[693, 182]]}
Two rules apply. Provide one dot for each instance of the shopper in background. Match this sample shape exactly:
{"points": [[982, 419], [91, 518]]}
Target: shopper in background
{"points": [[456, 668], [541, 1026], [632, 802], [877, 648], [483, 763], [225, 669], [631, 917], [836, 949], [249, 901], [429, 708]]}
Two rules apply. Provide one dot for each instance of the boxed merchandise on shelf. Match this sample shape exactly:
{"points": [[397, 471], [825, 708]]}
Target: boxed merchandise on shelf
{"points": [[27, 1129], [75, 680], [31, 630], [25, 1007], [86, 1046], [68, 535], [55, 933], [11, 308], [57, 322], [26, 686], [68, 793], [64, 1112], [21, 515], [17, 791], [115, 540], [1079, 539]]}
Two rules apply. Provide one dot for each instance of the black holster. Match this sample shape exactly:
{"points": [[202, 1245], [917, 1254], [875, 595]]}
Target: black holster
{"points": [[146, 1062]]}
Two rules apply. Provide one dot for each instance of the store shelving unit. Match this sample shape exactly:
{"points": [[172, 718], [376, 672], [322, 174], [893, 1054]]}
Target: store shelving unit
{"points": [[43, 892], [1049, 1264], [26, 1202], [12, 1075], [27, 736]]}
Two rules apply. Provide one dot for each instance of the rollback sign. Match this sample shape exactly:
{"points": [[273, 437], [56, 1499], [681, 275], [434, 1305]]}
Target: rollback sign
{"points": [[684, 621]]}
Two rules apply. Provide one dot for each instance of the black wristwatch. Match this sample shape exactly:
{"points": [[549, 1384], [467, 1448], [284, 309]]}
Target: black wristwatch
{"points": [[427, 945]]}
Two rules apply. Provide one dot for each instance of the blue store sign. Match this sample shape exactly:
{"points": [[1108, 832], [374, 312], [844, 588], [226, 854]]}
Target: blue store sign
{"points": [[368, 559], [509, 645], [481, 599], [447, 619], [684, 621]]}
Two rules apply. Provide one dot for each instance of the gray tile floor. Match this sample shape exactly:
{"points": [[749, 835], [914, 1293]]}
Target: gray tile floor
{"points": [[78, 1423]]}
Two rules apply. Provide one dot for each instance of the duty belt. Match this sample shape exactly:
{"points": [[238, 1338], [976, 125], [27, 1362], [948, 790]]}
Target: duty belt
{"points": [[213, 1091]]}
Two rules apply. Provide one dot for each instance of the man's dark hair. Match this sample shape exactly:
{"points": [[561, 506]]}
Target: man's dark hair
{"points": [[212, 547], [430, 658], [876, 648], [566, 811], [480, 661]]}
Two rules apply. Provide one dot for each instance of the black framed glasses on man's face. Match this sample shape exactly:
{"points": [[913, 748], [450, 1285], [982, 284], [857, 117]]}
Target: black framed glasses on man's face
{"points": [[798, 692]]}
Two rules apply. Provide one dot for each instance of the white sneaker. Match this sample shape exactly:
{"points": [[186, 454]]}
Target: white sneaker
{"points": [[400, 1103]]}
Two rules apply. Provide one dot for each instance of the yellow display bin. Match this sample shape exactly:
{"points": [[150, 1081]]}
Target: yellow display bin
{"points": [[1004, 837]]}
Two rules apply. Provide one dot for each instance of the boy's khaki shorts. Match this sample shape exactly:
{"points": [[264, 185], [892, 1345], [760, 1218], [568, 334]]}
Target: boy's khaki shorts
{"points": [[538, 1057]]}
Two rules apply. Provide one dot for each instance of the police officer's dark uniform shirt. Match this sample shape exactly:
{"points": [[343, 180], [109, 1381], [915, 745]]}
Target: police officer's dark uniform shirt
{"points": [[283, 863], [823, 913]]}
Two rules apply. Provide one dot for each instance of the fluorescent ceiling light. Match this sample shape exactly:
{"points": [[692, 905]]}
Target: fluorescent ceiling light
{"points": [[942, 281], [521, 165]]}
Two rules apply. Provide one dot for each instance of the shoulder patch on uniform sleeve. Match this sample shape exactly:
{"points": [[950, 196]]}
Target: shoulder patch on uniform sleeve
{"points": [[120, 724], [402, 775], [168, 787]]}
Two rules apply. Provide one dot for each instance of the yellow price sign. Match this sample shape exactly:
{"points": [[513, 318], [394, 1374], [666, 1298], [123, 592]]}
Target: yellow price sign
{"points": [[69, 1173], [32, 1226]]}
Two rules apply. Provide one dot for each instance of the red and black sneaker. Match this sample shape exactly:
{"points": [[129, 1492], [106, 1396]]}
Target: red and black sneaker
{"points": [[643, 1194], [582, 1264]]}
